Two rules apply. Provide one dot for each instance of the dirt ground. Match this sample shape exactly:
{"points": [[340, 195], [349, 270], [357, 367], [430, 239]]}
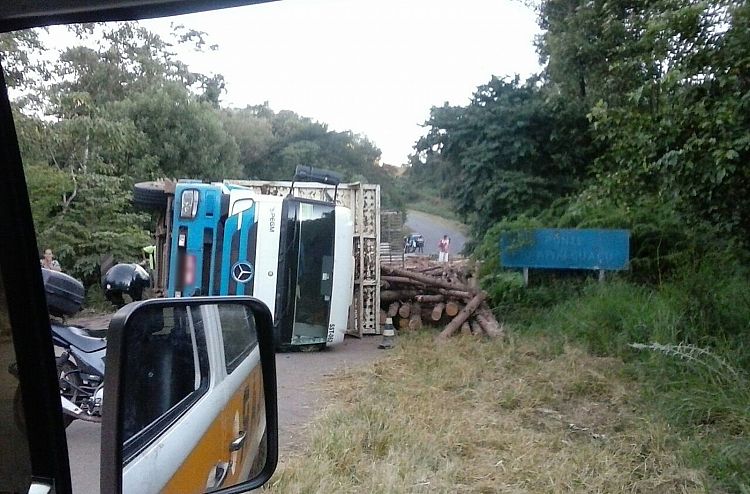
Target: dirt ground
{"points": [[300, 375]]}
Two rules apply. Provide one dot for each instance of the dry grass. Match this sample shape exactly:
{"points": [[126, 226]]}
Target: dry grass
{"points": [[478, 416]]}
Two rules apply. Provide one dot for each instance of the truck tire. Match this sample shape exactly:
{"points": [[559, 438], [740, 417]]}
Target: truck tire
{"points": [[150, 195]]}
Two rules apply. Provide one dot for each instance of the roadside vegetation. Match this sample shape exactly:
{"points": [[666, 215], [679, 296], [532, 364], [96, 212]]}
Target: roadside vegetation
{"points": [[639, 120], [532, 414], [613, 387]]}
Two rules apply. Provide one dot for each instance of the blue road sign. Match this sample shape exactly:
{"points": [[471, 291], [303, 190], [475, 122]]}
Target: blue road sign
{"points": [[558, 248]]}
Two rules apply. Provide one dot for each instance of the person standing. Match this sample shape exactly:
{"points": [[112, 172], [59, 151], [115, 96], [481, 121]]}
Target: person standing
{"points": [[443, 248], [49, 261]]}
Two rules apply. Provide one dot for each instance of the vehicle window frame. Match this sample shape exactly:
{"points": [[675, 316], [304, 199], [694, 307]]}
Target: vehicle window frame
{"points": [[27, 313], [32, 339]]}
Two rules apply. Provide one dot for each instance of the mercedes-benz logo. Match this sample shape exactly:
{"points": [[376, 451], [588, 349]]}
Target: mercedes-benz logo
{"points": [[242, 272]]}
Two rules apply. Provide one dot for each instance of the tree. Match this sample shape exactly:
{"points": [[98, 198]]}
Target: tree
{"points": [[516, 147]]}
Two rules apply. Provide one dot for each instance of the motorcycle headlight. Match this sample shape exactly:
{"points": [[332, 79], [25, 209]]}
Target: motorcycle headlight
{"points": [[189, 204]]}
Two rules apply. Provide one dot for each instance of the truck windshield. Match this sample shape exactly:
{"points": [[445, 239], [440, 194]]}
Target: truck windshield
{"points": [[308, 259]]}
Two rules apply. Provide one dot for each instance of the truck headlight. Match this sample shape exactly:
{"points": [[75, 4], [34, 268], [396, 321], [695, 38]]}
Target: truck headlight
{"points": [[189, 204]]}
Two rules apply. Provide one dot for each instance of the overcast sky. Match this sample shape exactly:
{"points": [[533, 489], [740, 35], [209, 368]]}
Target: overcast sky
{"points": [[371, 66]]}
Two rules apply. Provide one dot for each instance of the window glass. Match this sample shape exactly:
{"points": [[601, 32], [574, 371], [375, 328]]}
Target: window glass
{"points": [[314, 272], [15, 464], [238, 332], [165, 370]]}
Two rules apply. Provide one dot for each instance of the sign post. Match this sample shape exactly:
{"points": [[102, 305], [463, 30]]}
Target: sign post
{"points": [[558, 248]]}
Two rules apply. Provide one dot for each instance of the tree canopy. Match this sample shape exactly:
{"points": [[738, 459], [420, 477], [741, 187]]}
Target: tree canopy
{"points": [[120, 107], [639, 102]]}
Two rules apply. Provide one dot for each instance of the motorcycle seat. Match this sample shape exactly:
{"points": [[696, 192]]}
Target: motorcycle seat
{"points": [[78, 338]]}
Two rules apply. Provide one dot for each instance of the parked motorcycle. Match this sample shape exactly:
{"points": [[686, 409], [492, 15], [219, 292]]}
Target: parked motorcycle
{"points": [[80, 353], [80, 369]]}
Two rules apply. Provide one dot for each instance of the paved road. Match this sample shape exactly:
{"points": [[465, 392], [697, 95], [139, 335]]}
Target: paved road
{"points": [[433, 228], [299, 376]]}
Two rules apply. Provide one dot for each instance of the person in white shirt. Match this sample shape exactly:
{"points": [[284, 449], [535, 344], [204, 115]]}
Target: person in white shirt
{"points": [[443, 248], [49, 261]]}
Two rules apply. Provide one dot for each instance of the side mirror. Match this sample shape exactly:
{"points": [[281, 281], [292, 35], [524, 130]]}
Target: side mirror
{"points": [[190, 397]]}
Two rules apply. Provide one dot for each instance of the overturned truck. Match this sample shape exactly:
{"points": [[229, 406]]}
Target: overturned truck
{"points": [[306, 248]]}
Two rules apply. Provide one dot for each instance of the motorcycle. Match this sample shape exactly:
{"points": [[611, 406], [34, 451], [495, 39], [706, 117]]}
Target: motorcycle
{"points": [[80, 371], [79, 353]]}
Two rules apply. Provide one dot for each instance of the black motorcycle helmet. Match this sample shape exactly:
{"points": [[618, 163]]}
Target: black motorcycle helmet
{"points": [[121, 279]]}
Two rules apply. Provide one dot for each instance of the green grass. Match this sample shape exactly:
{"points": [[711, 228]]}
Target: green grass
{"points": [[688, 343], [525, 415]]}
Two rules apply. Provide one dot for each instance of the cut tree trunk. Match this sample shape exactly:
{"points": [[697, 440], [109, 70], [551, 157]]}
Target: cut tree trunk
{"points": [[393, 309], [476, 328], [394, 295], [452, 308], [488, 323], [463, 316], [415, 320], [427, 280], [404, 311], [429, 298], [437, 312], [403, 280], [403, 324], [459, 294]]}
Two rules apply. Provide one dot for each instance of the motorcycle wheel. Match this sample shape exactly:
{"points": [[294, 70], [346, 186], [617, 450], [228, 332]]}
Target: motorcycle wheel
{"points": [[70, 381]]}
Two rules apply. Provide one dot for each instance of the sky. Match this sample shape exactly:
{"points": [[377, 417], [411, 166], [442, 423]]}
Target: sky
{"points": [[375, 67]]}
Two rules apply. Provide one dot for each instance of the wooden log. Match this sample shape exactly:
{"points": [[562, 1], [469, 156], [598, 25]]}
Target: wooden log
{"points": [[427, 280], [394, 295], [404, 311], [466, 329], [403, 324], [429, 298], [400, 280], [415, 320], [432, 270], [489, 324], [452, 308], [463, 316], [476, 329], [393, 309], [459, 294], [437, 312]]}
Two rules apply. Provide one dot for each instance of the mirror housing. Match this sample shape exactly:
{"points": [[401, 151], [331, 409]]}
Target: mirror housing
{"points": [[125, 324]]}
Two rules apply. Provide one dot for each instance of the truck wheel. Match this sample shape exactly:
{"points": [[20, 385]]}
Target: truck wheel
{"points": [[150, 195]]}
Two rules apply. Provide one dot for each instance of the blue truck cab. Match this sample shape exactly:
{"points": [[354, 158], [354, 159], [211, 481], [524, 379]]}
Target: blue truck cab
{"points": [[294, 254]]}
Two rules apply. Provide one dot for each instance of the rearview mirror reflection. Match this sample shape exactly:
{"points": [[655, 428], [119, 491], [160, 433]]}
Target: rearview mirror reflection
{"points": [[193, 411]]}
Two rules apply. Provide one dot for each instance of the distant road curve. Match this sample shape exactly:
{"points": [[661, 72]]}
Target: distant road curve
{"points": [[433, 228]]}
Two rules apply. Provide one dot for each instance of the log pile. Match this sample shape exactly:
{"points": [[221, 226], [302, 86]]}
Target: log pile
{"points": [[426, 292]]}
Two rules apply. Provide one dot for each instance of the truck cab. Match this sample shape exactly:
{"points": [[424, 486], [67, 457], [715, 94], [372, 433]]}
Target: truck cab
{"points": [[293, 253]]}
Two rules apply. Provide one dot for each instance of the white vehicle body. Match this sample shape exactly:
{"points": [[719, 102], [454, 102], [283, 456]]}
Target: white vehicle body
{"points": [[268, 211], [220, 423]]}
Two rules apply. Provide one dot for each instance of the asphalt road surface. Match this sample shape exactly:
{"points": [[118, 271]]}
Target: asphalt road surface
{"points": [[299, 379], [433, 228]]}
